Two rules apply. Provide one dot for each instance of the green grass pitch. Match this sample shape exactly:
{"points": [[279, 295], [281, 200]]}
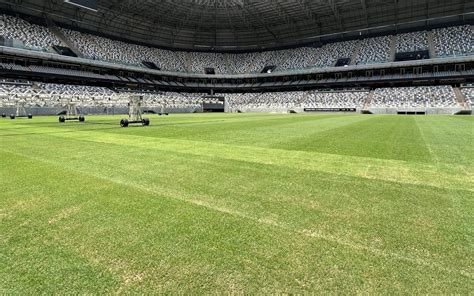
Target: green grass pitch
{"points": [[237, 203]]}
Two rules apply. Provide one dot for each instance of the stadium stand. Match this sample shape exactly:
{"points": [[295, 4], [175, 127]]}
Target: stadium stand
{"points": [[243, 63], [31, 36], [298, 58], [374, 50], [410, 42], [10, 94], [105, 49], [328, 55], [53, 95], [293, 59], [308, 99], [48, 94], [414, 97], [201, 61], [468, 93], [265, 100], [169, 101], [454, 41], [336, 99]]}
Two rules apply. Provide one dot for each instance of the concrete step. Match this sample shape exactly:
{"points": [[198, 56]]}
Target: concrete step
{"points": [[227, 64], [188, 62], [431, 45], [368, 100], [460, 98], [393, 48], [57, 31], [355, 54]]}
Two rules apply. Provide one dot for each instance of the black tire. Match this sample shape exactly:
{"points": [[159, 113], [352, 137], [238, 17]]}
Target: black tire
{"points": [[145, 122], [4, 115], [30, 116], [12, 116], [166, 114], [159, 114], [82, 118], [62, 119], [124, 123]]}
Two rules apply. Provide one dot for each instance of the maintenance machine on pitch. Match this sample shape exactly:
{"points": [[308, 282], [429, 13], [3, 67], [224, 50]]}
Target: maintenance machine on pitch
{"points": [[71, 114], [135, 113], [20, 102]]}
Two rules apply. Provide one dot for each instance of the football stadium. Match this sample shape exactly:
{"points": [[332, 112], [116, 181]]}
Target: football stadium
{"points": [[209, 147]]}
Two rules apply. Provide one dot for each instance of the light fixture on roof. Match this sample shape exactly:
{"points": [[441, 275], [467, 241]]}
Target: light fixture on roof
{"points": [[85, 4], [219, 3]]}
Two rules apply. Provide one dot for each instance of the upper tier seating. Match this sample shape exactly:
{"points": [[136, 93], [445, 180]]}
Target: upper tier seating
{"points": [[410, 42], [289, 59], [33, 36], [374, 50], [454, 41], [447, 41], [242, 63], [104, 49], [329, 54], [201, 60]]}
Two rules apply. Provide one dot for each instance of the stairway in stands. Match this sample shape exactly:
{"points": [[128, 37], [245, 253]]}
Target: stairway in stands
{"points": [[188, 62], [431, 45], [393, 48], [315, 58], [57, 31], [460, 98], [227, 64], [355, 54], [368, 100]]}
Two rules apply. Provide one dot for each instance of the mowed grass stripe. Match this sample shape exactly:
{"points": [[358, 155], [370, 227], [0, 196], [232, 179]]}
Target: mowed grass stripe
{"points": [[91, 237], [304, 201], [450, 141], [266, 132], [173, 121], [262, 130], [371, 168], [321, 124], [384, 137]]}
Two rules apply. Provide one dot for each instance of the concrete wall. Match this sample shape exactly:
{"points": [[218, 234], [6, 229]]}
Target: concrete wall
{"points": [[284, 110], [429, 111], [266, 110]]}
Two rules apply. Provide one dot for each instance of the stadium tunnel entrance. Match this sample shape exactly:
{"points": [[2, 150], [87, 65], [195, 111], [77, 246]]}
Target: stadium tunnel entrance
{"points": [[213, 104]]}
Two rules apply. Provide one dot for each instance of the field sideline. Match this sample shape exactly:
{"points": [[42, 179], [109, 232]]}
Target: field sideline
{"points": [[238, 203]]}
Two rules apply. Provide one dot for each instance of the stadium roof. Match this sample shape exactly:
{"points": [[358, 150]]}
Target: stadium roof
{"points": [[244, 24]]}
